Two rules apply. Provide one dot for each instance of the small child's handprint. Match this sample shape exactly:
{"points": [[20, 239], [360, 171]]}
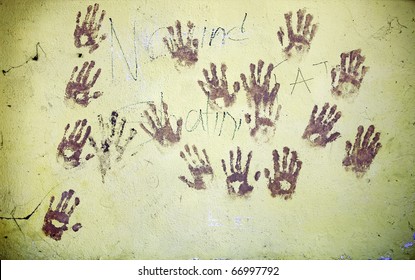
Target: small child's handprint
{"points": [[285, 178], [318, 128], [186, 54], [56, 221], [198, 167], [301, 40], [265, 115], [217, 89], [347, 81], [363, 153], [238, 177], [79, 89], [111, 145], [162, 131], [70, 148], [89, 29]]}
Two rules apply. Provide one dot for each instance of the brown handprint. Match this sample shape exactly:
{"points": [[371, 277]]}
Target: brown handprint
{"points": [[186, 54], [363, 153], [79, 90], [56, 221], [300, 41], [238, 176], [265, 114], [345, 82], [318, 129], [284, 182], [198, 167], [111, 146], [162, 131], [216, 89], [70, 148], [89, 29]]}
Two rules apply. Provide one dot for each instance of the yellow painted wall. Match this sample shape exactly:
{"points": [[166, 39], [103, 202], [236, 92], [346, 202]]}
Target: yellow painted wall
{"points": [[141, 209]]}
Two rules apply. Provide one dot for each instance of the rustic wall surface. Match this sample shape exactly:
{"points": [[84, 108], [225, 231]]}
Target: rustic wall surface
{"points": [[115, 143]]}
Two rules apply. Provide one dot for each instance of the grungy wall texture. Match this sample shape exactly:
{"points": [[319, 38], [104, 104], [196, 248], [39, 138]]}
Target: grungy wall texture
{"points": [[207, 129]]}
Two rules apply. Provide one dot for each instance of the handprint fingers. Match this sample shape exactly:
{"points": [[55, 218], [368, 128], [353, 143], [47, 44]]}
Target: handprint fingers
{"points": [[292, 161], [367, 136], [300, 19], [286, 151], [186, 54], [185, 180], [224, 81], [333, 137], [94, 12], [322, 113], [288, 23], [179, 33], [259, 70], [358, 138]]}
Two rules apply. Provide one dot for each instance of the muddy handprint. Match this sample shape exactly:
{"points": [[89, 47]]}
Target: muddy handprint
{"points": [[160, 130], [318, 128], [70, 148], [346, 81], [79, 89], [360, 156], [185, 53], [56, 221], [284, 180], [238, 177], [216, 88], [199, 167], [265, 115], [301, 39], [111, 145], [86, 33]]}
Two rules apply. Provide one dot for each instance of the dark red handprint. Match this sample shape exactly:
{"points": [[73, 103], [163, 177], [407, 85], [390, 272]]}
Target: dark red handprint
{"points": [[199, 167], [238, 177], [360, 156], [70, 148], [56, 221], [285, 177], [79, 89], [301, 40], [86, 33], [185, 53], [216, 88]]}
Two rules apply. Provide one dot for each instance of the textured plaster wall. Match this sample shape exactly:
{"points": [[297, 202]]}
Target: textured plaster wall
{"points": [[140, 208]]}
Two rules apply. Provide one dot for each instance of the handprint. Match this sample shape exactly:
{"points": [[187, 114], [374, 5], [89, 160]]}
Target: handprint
{"points": [[238, 176], [363, 153], [198, 167], [56, 221], [89, 29], [265, 116], [318, 129], [284, 181], [79, 90], [110, 145], [70, 148], [216, 89], [300, 41], [186, 54], [162, 131], [347, 81]]}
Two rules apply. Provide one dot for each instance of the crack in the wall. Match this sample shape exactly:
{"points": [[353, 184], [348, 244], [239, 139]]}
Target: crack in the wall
{"points": [[34, 58]]}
